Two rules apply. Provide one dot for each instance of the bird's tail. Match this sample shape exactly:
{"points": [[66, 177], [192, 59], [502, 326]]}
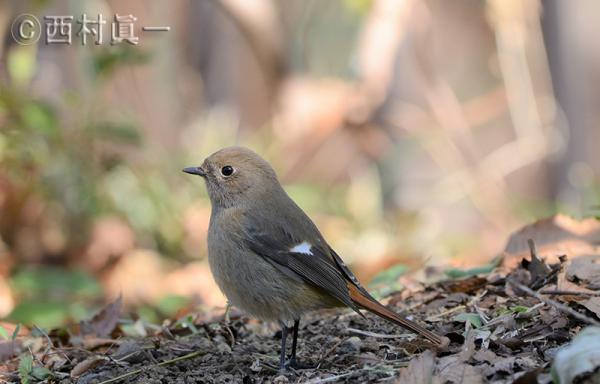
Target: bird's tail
{"points": [[380, 310]]}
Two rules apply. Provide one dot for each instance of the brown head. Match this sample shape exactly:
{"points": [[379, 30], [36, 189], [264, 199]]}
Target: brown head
{"points": [[234, 175]]}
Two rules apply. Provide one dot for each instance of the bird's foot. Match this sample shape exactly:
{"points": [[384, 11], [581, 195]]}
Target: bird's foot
{"points": [[293, 364]]}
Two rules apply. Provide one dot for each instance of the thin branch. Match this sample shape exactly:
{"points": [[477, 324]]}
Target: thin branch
{"points": [[568, 293], [556, 304], [379, 335], [532, 249]]}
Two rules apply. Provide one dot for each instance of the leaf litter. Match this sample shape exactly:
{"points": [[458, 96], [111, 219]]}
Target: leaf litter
{"points": [[507, 324]]}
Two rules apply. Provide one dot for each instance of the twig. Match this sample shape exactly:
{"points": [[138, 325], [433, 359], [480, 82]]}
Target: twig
{"points": [[50, 343], [161, 364], [378, 335], [556, 304], [449, 311], [532, 249], [330, 378], [365, 369], [568, 293]]}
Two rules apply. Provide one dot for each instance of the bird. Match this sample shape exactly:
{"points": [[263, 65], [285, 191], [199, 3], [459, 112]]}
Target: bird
{"points": [[269, 258]]}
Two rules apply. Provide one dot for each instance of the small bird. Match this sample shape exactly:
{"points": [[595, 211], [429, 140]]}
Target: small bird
{"points": [[269, 258]]}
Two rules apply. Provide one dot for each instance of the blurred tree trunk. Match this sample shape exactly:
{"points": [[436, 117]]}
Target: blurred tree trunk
{"points": [[237, 48], [574, 57]]}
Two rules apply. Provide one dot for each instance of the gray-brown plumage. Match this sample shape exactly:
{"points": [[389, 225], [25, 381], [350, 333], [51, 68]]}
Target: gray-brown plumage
{"points": [[268, 257]]}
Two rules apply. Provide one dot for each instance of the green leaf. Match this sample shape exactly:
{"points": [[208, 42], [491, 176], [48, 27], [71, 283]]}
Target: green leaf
{"points": [[16, 332], [3, 333], [187, 322], [389, 276], [169, 305], [56, 282], [519, 309], [21, 64], [455, 273], [40, 117], [25, 367], [472, 318], [108, 60], [41, 373], [47, 314]]}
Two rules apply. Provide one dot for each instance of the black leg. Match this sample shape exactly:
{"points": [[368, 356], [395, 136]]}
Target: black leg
{"points": [[284, 332], [294, 342]]}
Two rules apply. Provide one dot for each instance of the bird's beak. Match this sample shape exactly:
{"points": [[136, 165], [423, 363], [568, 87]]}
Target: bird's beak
{"points": [[195, 171]]}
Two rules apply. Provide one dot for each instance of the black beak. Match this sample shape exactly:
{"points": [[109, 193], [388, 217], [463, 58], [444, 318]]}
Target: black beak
{"points": [[195, 171]]}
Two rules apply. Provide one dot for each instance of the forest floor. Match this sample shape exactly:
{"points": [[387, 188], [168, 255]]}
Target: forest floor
{"points": [[506, 324]]}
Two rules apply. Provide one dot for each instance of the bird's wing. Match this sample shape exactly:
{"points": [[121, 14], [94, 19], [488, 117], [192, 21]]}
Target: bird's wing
{"points": [[305, 255], [349, 275]]}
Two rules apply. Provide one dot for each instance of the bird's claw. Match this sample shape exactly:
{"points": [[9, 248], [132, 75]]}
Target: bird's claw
{"points": [[293, 364]]}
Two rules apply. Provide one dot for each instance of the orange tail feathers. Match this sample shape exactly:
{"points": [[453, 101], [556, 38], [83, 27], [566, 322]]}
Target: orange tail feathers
{"points": [[385, 313]]}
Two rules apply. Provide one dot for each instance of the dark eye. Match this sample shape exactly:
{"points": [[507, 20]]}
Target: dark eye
{"points": [[227, 170]]}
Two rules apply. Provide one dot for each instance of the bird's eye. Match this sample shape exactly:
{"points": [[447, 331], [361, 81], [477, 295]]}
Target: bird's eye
{"points": [[227, 170]]}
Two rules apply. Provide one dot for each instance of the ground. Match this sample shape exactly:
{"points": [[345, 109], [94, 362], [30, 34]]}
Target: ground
{"points": [[506, 323]]}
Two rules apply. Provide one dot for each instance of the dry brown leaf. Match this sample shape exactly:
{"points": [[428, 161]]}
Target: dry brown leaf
{"points": [[91, 343], [585, 269], [530, 377], [537, 268], [105, 321], [593, 304], [87, 364], [563, 284], [466, 285], [419, 370], [554, 236], [453, 370]]}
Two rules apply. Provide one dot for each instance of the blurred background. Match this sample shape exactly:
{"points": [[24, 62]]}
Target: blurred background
{"points": [[413, 132]]}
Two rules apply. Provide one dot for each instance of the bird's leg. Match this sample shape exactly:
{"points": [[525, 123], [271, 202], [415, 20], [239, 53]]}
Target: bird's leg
{"points": [[284, 333], [293, 363]]}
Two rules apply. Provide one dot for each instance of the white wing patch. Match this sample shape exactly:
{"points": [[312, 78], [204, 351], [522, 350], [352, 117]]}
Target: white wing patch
{"points": [[303, 247]]}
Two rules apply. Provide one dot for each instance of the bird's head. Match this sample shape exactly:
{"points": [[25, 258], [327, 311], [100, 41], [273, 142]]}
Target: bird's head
{"points": [[235, 175]]}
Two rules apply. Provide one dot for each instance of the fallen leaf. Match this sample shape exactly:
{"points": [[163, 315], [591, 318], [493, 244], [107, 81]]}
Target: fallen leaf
{"points": [[419, 370], [554, 236], [91, 343], [105, 321], [537, 268], [585, 269], [453, 370], [593, 304], [87, 364], [467, 285], [473, 318], [530, 377]]}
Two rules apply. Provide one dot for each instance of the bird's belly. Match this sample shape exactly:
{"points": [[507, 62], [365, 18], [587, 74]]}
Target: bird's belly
{"points": [[255, 286]]}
